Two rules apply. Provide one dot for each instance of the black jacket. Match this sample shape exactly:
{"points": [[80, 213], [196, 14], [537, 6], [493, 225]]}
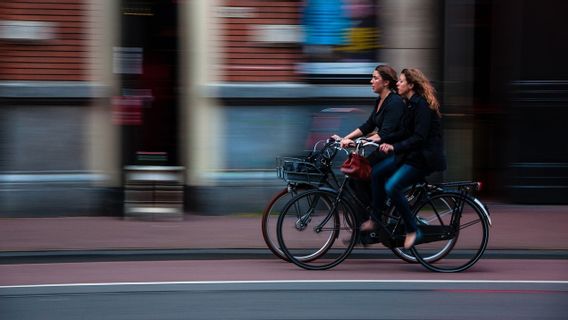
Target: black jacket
{"points": [[387, 119], [419, 141]]}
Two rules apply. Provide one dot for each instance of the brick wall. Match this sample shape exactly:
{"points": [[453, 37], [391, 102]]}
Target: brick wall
{"points": [[62, 57], [245, 59]]}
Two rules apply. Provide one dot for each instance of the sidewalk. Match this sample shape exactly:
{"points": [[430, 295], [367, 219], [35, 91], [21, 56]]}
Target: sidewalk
{"points": [[515, 227]]}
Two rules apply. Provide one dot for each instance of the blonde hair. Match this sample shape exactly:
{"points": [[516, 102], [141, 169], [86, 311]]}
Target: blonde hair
{"points": [[423, 87]]}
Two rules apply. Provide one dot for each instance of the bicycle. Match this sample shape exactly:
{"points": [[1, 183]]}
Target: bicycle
{"points": [[301, 174], [445, 213], [313, 171]]}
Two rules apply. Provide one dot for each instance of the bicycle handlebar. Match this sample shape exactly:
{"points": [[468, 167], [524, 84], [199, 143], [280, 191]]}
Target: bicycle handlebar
{"points": [[360, 144]]}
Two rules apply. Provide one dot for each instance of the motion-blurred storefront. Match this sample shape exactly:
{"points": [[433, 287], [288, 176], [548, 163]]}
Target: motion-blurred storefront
{"points": [[283, 73], [56, 138], [260, 78], [215, 90]]}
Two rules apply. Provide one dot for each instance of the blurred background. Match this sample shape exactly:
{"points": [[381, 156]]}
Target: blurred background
{"points": [[166, 107]]}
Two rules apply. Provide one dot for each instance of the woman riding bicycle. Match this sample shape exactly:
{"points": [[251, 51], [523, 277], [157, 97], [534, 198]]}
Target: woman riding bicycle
{"points": [[415, 150], [383, 120], [388, 110]]}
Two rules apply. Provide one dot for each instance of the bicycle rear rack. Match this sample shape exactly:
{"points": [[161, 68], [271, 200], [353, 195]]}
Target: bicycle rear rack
{"points": [[468, 187]]}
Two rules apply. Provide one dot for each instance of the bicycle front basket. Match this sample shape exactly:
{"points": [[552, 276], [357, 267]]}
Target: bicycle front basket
{"points": [[297, 170]]}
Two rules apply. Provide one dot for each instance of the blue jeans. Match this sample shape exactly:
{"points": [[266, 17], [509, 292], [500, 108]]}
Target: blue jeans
{"points": [[390, 179]]}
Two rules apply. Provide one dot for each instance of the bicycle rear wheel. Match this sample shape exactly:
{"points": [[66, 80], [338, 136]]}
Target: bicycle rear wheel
{"points": [[270, 215], [426, 217], [314, 224], [459, 237]]}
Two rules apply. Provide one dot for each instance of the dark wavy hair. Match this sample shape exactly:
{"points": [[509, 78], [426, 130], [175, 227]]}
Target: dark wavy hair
{"points": [[423, 87], [388, 74]]}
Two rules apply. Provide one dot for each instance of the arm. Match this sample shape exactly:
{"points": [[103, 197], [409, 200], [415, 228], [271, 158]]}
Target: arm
{"points": [[348, 139], [366, 128]]}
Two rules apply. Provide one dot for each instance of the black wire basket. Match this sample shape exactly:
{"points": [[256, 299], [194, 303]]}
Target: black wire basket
{"points": [[297, 170]]}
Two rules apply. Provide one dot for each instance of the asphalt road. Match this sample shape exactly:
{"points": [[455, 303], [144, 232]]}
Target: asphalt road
{"points": [[273, 289], [290, 300]]}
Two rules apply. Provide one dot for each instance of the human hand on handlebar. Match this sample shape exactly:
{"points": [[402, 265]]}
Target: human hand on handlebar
{"points": [[343, 142], [346, 142], [386, 148]]}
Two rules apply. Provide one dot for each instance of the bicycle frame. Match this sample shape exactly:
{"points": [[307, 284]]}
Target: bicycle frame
{"points": [[393, 233], [334, 205]]}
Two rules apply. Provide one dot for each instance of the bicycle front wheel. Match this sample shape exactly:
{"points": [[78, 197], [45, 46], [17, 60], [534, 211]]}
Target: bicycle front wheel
{"points": [[270, 218], [457, 233], [315, 224]]}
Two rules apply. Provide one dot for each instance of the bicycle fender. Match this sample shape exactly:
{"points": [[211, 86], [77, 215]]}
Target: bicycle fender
{"points": [[484, 210]]}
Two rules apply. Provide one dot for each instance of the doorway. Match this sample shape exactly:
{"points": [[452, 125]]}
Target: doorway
{"points": [[148, 104]]}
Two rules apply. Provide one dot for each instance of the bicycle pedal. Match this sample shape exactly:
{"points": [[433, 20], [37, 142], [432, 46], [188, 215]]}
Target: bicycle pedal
{"points": [[370, 238]]}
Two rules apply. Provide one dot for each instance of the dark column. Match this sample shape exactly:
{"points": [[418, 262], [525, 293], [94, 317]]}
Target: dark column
{"points": [[531, 67]]}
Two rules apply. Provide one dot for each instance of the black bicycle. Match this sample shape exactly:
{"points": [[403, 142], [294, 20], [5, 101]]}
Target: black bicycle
{"points": [[301, 174], [313, 171], [322, 223]]}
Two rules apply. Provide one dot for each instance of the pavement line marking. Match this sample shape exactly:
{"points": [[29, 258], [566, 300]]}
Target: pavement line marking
{"points": [[280, 281]]}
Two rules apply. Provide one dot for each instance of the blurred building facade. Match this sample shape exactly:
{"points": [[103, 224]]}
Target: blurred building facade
{"points": [[56, 137], [222, 87]]}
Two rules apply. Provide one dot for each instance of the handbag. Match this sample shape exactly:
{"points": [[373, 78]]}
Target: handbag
{"points": [[357, 167]]}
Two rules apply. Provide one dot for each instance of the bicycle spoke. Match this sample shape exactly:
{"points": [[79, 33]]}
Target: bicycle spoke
{"points": [[468, 235], [271, 213], [469, 224], [317, 242]]}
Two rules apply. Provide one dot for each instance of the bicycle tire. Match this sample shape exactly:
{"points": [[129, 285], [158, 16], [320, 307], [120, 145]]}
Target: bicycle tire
{"points": [[422, 220], [270, 214], [467, 225], [310, 218]]}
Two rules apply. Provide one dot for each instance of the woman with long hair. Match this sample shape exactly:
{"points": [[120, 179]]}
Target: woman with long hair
{"points": [[415, 150], [388, 109], [383, 120]]}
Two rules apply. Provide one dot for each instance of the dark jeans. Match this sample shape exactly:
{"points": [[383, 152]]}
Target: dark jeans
{"points": [[390, 179]]}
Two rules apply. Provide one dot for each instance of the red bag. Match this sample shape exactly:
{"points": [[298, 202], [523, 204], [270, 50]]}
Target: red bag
{"points": [[357, 167]]}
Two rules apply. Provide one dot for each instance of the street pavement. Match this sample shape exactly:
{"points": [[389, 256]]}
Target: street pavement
{"points": [[518, 231], [153, 269]]}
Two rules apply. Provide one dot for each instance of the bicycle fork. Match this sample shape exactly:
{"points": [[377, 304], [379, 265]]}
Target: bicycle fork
{"points": [[303, 219], [333, 209]]}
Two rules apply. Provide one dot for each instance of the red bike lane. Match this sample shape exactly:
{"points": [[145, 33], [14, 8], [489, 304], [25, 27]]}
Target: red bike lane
{"points": [[274, 270]]}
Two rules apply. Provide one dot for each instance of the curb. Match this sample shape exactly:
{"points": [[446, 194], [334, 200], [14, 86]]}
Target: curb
{"points": [[70, 256]]}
